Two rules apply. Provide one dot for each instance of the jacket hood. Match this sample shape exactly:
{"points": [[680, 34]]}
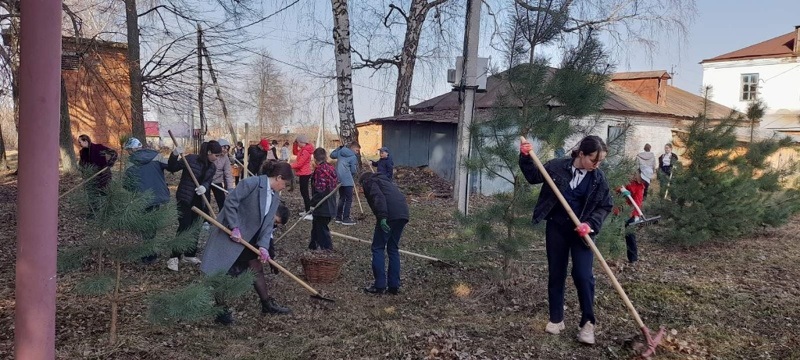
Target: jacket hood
{"points": [[646, 155], [143, 156], [346, 152]]}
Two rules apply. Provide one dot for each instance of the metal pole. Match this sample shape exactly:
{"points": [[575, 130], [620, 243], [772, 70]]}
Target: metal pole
{"points": [[468, 87], [37, 201], [246, 145]]}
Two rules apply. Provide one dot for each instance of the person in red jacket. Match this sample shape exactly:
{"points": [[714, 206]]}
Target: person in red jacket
{"points": [[302, 167], [636, 188]]}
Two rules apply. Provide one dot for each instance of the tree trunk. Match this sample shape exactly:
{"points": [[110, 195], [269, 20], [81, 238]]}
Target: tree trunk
{"points": [[135, 70], [3, 159], [65, 142], [408, 57], [115, 306], [344, 70]]}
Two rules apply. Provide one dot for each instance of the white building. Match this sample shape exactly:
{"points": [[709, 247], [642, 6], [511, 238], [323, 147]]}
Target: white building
{"points": [[768, 71]]}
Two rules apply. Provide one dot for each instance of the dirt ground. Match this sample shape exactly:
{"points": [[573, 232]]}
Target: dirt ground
{"points": [[740, 301]]}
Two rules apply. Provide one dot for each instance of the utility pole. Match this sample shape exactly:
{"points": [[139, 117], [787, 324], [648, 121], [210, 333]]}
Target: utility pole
{"points": [[200, 89], [37, 199], [467, 88], [219, 96]]}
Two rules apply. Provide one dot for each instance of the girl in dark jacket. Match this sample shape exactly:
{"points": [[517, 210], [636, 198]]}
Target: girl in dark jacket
{"points": [[188, 194], [98, 156], [585, 188]]}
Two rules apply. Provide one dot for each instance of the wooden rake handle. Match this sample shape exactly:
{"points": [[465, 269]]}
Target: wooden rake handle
{"points": [[310, 210], [586, 238], [253, 249], [84, 182], [191, 173], [426, 257]]}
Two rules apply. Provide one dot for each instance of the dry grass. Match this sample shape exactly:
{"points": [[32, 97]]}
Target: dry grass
{"points": [[736, 302]]}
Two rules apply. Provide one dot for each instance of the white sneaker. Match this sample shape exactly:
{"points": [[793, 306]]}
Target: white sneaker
{"points": [[190, 259], [586, 335], [309, 217], [172, 264], [554, 329]]}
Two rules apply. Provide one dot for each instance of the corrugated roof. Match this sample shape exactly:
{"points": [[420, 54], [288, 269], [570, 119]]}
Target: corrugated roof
{"points": [[778, 47], [640, 75], [679, 103]]}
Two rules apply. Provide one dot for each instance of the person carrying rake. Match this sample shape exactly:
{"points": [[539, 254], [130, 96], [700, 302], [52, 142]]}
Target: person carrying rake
{"points": [[585, 188]]}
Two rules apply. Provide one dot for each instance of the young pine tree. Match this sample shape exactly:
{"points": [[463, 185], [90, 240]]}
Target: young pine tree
{"points": [[727, 190], [123, 230], [539, 102]]}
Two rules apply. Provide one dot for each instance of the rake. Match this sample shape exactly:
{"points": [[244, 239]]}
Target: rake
{"points": [[652, 341], [310, 210], [191, 173], [314, 293], [644, 221], [426, 257], [84, 181]]}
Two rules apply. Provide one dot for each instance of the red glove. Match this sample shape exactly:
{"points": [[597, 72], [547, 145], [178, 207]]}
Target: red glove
{"points": [[264, 255], [525, 148], [584, 229], [236, 235], [616, 210]]}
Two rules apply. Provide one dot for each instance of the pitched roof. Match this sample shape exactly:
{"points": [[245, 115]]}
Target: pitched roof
{"points": [[777, 47], [641, 75], [619, 100]]}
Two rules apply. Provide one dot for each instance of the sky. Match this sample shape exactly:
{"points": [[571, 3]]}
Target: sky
{"points": [[720, 26]]}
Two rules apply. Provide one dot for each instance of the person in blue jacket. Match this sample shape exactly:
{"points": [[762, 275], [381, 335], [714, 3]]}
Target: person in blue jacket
{"points": [[346, 170], [385, 165], [144, 173]]}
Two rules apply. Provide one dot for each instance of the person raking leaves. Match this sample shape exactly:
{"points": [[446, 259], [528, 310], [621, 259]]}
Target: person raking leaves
{"points": [[391, 216], [250, 210], [585, 188]]}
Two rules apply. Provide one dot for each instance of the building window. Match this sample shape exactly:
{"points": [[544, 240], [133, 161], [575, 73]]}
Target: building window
{"points": [[749, 87]]}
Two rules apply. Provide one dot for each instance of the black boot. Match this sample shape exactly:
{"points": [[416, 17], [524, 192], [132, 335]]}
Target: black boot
{"points": [[374, 291], [269, 306], [225, 318]]}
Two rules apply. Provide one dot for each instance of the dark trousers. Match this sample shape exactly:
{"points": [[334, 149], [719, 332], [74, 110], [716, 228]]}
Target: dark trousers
{"points": [[186, 218], [388, 244], [305, 182], [219, 195], [644, 197], [561, 240], [320, 233], [630, 241], [345, 201], [666, 169], [148, 235]]}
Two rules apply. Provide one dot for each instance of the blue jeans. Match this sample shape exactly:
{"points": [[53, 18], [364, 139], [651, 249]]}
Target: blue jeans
{"points": [[561, 241], [345, 201], [388, 243]]}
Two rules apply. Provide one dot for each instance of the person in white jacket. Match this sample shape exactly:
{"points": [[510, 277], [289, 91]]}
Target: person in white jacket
{"points": [[647, 166]]}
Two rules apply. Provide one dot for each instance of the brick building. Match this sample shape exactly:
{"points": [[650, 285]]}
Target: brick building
{"points": [[98, 89]]}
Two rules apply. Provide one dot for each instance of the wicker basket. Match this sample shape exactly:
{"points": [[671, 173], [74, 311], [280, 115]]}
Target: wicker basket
{"points": [[321, 266]]}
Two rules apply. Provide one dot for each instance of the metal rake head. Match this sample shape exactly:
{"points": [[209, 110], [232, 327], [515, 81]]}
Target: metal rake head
{"points": [[647, 221]]}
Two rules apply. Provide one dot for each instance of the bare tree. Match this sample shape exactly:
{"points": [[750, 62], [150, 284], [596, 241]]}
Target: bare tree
{"points": [[625, 22], [405, 58], [344, 71], [269, 93]]}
